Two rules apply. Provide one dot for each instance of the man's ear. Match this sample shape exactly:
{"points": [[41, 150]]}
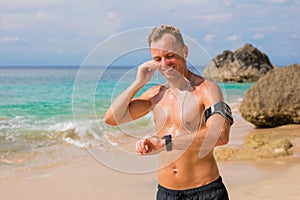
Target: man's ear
{"points": [[185, 51]]}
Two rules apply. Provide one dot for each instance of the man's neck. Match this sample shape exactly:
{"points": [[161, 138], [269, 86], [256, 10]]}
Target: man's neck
{"points": [[182, 82]]}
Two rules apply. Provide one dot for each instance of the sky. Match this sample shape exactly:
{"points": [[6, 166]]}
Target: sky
{"points": [[64, 32]]}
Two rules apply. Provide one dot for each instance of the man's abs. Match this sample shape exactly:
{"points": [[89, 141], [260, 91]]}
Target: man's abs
{"points": [[180, 170]]}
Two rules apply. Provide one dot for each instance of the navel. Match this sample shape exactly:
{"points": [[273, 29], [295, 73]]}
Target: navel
{"points": [[175, 171]]}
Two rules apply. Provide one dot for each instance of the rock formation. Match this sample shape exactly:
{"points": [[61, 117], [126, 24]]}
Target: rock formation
{"points": [[246, 64], [274, 99], [257, 147]]}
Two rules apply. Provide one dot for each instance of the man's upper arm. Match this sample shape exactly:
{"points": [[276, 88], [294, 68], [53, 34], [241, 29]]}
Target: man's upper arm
{"points": [[216, 122], [142, 105], [217, 127], [139, 108]]}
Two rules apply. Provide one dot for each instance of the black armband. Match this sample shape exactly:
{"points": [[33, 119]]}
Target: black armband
{"points": [[168, 139], [219, 108]]}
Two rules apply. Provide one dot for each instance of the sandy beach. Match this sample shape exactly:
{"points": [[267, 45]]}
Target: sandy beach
{"points": [[87, 178], [81, 83]]}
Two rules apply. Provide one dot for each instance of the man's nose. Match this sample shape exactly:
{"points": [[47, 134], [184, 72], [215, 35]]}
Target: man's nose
{"points": [[164, 61]]}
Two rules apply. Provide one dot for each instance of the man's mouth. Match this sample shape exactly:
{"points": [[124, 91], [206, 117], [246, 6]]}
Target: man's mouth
{"points": [[168, 68]]}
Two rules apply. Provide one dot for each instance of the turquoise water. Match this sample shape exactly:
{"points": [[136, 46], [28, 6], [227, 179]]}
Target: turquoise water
{"points": [[52, 105]]}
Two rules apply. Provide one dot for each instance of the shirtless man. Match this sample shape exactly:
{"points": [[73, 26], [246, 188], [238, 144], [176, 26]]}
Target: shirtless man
{"points": [[190, 118]]}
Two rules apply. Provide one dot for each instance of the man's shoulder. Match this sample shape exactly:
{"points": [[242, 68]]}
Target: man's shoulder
{"points": [[153, 91], [208, 92], [203, 84]]}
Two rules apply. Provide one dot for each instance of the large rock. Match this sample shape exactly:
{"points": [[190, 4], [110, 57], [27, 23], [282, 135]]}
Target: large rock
{"points": [[274, 99], [257, 147], [246, 64]]}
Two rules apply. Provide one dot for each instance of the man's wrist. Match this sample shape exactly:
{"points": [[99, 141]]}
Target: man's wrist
{"points": [[138, 84]]}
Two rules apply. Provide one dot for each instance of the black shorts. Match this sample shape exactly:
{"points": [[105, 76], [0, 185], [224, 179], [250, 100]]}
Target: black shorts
{"points": [[215, 190]]}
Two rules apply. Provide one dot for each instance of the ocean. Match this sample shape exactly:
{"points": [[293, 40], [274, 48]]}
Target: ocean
{"points": [[46, 112]]}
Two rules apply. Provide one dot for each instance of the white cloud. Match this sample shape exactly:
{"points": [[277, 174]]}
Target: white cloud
{"points": [[77, 26], [113, 22], [295, 36], [228, 2], [13, 42], [273, 29], [25, 4], [217, 17], [258, 36], [19, 21], [13, 39], [209, 37], [265, 29], [277, 1], [112, 15], [234, 37]]}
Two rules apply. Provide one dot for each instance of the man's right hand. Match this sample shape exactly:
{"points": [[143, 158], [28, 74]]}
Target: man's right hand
{"points": [[150, 145], [145, 72]]}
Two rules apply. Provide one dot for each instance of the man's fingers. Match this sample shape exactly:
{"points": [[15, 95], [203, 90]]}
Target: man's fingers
{"points": [[149, 145], [141, 147], [149, 67]]}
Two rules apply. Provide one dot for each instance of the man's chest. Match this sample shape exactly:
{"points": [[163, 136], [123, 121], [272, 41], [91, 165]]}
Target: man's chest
{"points": [[178, 110]]}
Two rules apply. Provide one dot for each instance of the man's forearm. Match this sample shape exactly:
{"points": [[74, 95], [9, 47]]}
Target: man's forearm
{"points": [[203, 140], [189, 140], [119, 109]]}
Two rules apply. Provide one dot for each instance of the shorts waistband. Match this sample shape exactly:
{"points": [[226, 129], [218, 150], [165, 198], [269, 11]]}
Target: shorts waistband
{"points": [[213, 185]]}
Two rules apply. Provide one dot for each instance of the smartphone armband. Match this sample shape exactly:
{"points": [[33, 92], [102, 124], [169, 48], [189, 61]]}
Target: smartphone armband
{"points": [[219, 108]]}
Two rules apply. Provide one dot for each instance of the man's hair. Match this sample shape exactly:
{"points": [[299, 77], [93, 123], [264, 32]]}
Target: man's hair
{"points": [[158, 32]]}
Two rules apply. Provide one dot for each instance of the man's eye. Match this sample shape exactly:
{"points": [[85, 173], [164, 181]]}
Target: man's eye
{"points": [[157, 59], [170, 55]]}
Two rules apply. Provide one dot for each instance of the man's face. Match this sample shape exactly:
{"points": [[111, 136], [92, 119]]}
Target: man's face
{"points": [[169, 56]]}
